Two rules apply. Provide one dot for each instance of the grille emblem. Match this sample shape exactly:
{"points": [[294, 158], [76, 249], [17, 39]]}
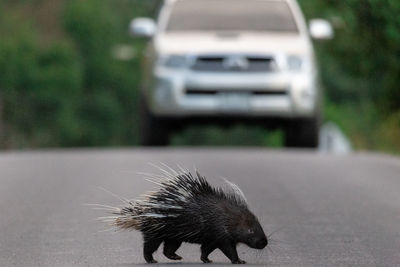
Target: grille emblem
{"points": [[236, 63]]}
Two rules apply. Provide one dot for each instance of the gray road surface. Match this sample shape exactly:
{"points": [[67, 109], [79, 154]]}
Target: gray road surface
{"points": [[334, 210]]}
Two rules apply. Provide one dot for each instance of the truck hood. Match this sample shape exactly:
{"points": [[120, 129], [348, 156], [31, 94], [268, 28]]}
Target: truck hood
{"points": [[243, 43]]}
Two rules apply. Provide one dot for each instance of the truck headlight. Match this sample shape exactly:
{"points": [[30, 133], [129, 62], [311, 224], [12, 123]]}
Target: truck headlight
{"points": [[174, 61], [163, 91], [295, 63]]}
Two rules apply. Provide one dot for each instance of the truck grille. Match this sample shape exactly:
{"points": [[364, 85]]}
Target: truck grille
{"points": [[235, 63], [202, 91]]}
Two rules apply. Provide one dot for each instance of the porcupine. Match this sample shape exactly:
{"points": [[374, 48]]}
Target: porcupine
{"points": [[187, 208]]}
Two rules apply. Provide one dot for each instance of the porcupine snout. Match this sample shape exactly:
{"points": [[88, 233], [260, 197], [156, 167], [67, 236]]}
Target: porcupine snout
{"points": [[259, 240], [261, 243], [254, 236]]}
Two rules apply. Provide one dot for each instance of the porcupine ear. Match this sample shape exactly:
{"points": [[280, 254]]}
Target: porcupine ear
{"points": [[237, 191]]}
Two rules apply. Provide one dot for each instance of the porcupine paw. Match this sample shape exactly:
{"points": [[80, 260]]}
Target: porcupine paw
{"points": [[206, 260], [239, 261], [174, 257], [152, 261]]}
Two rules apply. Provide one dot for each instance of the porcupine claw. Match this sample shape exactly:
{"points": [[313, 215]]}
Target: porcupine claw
{"points": [[174, 257], [206, 260], [239, 261]]}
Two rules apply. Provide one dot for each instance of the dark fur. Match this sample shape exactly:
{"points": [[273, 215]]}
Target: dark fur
{"points": [[192, 211]]}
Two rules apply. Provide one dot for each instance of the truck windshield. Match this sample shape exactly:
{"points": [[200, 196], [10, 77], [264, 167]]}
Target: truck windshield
{"points": [[231, 15]]}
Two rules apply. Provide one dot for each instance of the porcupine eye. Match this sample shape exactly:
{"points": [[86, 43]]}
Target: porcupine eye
{"points": [[250, 231]]}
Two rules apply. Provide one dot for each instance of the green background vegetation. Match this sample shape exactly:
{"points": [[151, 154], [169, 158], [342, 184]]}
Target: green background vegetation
{"points": [[60, 86]]}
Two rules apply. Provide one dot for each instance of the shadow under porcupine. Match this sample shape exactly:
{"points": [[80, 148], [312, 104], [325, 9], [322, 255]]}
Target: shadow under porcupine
{"points": [[186, 208]]}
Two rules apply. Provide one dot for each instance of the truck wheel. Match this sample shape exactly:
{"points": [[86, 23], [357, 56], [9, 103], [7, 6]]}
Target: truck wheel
{"points": [[153, 131], [302, 133]]}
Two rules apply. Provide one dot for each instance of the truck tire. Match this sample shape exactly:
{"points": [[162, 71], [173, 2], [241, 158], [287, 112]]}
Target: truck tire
{"points": [[153, 131], [302, 133]]}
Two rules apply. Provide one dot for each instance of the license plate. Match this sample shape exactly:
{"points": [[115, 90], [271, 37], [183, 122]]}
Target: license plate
{"points": [[231, 102]]}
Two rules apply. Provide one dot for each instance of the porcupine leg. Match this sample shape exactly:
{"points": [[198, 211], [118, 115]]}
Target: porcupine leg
{"points": [[205, 251], [229, 249], [150, 245], [170, 247]]}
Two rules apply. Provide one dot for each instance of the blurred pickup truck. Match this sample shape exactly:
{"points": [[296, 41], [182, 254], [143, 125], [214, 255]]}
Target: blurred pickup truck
{"points": [[227, 61]]}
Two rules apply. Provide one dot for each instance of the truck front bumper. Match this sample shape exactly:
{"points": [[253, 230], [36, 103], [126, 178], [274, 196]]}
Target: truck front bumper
{"points": [[184, 93]]}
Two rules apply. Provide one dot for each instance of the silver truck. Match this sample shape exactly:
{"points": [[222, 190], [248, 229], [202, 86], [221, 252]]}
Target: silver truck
{"points": [[224, 61]]}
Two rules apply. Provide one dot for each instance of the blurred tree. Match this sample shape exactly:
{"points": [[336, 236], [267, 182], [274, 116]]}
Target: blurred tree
{"points": [[361, 66], [363, 60], [36, 85], [107, 110]]}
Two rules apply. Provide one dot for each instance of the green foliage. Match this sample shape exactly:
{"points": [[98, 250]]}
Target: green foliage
{"points": [[90, 25], [358, 121], [360, 68], [238, 135], [107, 110], [366, 127], [362, 63], [388, 134], [70, 93], [36, 85]]}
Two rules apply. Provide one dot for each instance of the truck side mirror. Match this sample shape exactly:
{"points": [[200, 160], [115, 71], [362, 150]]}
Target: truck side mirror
{"points": [[142, 27], [321, 29]]}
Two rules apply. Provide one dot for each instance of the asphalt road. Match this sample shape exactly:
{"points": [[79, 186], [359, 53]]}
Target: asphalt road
{"points": [[330, 210]]}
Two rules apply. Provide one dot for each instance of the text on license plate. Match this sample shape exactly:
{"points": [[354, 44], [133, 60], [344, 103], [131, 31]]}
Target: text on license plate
{"points": [[234, 101]]}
